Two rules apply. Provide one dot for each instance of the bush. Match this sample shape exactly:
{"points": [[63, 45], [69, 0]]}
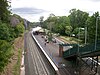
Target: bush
{"points": [[5, 53], [7, 35], [19, 29], [4, 31]]}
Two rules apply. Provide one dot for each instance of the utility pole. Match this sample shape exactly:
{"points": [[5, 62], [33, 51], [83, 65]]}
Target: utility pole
{"points": [[85, 35], [96, 34]]}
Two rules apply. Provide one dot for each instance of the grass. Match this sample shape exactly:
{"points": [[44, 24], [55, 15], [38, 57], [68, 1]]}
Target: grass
{"points": [[70, 39], [17, 65]]}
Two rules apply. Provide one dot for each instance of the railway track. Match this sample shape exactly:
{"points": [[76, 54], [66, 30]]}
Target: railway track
{"points": [[62, 69], [40, 64], [40, 67], [65, 70]]}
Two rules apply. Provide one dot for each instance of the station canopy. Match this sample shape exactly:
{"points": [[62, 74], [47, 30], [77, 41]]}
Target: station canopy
{"points": [[37, 29]]}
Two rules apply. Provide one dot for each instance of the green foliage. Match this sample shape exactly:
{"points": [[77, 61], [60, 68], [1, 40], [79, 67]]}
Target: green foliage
{"points": [[41, 21], [76, 31], [12, 33], [19, 29], [62, 23], [57, 24], [4, 12], [17, 65], [5, 53], [78, 18], [68, 30], [91, 24], [7, 33], [4, 31], [71, 24]]}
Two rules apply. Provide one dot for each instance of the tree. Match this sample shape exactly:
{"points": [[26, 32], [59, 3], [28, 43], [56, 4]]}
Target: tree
{"points": [[72, 17], [78, 18], [5, 53], [4, 31], [41, 20], [61, 24], [68, 30], [57, 24], [19, 29], [91, 25], [49, 23], [4, 12]]}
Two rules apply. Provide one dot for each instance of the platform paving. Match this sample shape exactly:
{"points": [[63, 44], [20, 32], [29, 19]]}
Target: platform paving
{"points": [[52, 49]]}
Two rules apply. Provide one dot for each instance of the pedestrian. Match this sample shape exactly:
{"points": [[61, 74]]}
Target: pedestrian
{"points": [[45, 44]]}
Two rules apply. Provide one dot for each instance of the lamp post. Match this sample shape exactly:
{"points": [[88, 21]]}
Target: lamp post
{"points": [[79, 37], [96, 31], [85, 35]]}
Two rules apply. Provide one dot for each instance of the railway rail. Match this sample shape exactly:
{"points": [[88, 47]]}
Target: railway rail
{"points": [[38, 55], [62, 70], [38, 63]]}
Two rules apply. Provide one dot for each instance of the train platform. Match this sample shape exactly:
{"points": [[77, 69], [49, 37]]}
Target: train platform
{"points": [[52, 50]]}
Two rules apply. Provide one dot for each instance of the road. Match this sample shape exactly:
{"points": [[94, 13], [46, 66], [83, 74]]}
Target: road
{"points": [[35, 62]]}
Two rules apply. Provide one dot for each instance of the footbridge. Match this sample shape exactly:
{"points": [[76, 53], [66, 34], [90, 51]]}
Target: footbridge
{"points": [[87, 55], [88, 50]]}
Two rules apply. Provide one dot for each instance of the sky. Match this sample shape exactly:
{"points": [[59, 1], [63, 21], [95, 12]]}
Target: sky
{"points": [[33, 9]]}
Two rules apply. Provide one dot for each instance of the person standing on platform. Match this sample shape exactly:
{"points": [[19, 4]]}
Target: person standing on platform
{"points": [[45, 44]]}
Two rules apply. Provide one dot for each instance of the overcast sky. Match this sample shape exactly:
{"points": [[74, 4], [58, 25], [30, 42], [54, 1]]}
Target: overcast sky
{"points": [[33, 9]]}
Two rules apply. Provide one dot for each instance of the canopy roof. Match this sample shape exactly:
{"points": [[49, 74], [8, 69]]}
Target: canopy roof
{"points": [[36, 29]]}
